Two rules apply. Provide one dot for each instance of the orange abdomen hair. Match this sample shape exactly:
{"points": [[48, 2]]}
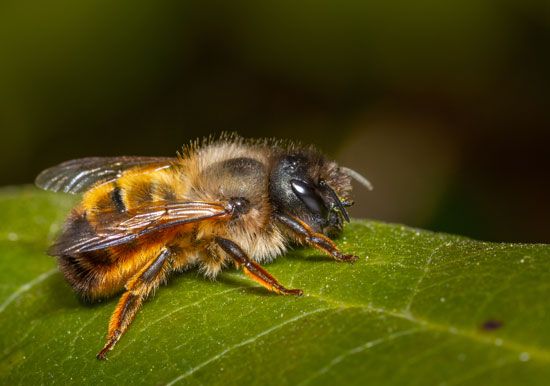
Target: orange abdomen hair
{"points": [[104, 272]]}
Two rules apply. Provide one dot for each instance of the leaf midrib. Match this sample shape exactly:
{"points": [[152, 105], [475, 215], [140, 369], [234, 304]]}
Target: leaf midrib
{"points": [[473, 335]]}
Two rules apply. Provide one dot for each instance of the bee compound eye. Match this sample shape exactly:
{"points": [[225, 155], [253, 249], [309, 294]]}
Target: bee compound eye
{"points": [[310, 196]]}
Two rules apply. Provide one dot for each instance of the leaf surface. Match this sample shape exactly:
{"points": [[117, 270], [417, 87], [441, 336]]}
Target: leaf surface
{"points": [[417, 308]]}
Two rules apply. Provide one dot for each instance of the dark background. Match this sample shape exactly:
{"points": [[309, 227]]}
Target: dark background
{"points": [[443, 105]]}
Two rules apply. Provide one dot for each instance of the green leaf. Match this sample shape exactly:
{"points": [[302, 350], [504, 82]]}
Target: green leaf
{"points": [[416, 308]]}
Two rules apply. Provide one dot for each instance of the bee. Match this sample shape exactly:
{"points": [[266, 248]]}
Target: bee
{"points": [[222, 202]]}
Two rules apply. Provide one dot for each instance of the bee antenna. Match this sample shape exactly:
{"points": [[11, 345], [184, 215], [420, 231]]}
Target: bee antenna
{"points": [[339, 204], [357, 177]]}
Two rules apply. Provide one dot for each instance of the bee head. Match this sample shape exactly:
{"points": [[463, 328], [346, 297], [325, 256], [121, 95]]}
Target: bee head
{"points": [[305, 185]]}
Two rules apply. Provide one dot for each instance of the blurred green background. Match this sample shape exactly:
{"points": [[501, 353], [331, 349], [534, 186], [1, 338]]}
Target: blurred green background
{"points": [[443, 105]]}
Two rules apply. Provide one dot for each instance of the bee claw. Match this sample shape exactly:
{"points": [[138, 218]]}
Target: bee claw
{"points": [[295, 292], [347, 258], [102, 355]]}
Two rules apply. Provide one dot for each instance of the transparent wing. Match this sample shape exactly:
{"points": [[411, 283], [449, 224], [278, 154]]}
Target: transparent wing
{"points": [[78, 175], [138, 223]]}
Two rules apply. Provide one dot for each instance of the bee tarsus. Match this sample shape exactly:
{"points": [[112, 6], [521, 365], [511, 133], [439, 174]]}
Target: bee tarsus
{"points": [[317, 240], [138, 288]]}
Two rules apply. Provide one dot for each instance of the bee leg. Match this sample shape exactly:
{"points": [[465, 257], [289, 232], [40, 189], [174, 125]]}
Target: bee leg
{"points": [[252, 269], [137, 289], [317, 240]]}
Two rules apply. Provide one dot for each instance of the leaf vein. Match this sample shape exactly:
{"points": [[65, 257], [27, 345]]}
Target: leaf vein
{"points": [[533, 351], [357, 350], [25, 287], [244, 343], [416, 288]]}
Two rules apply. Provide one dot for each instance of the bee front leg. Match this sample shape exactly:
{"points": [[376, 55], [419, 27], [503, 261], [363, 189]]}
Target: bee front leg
{"points": [[137, 290], [317, 240], [254, 270]]}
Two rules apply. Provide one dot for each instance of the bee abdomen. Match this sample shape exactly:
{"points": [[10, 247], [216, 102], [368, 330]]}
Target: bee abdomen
{"points": [[118, 201], [147, 192], [81, 270], [80, 276]]}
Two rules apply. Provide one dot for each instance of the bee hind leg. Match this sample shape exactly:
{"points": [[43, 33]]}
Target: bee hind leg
{"points": [[253, 269], [317, 240], [137, 290]]}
